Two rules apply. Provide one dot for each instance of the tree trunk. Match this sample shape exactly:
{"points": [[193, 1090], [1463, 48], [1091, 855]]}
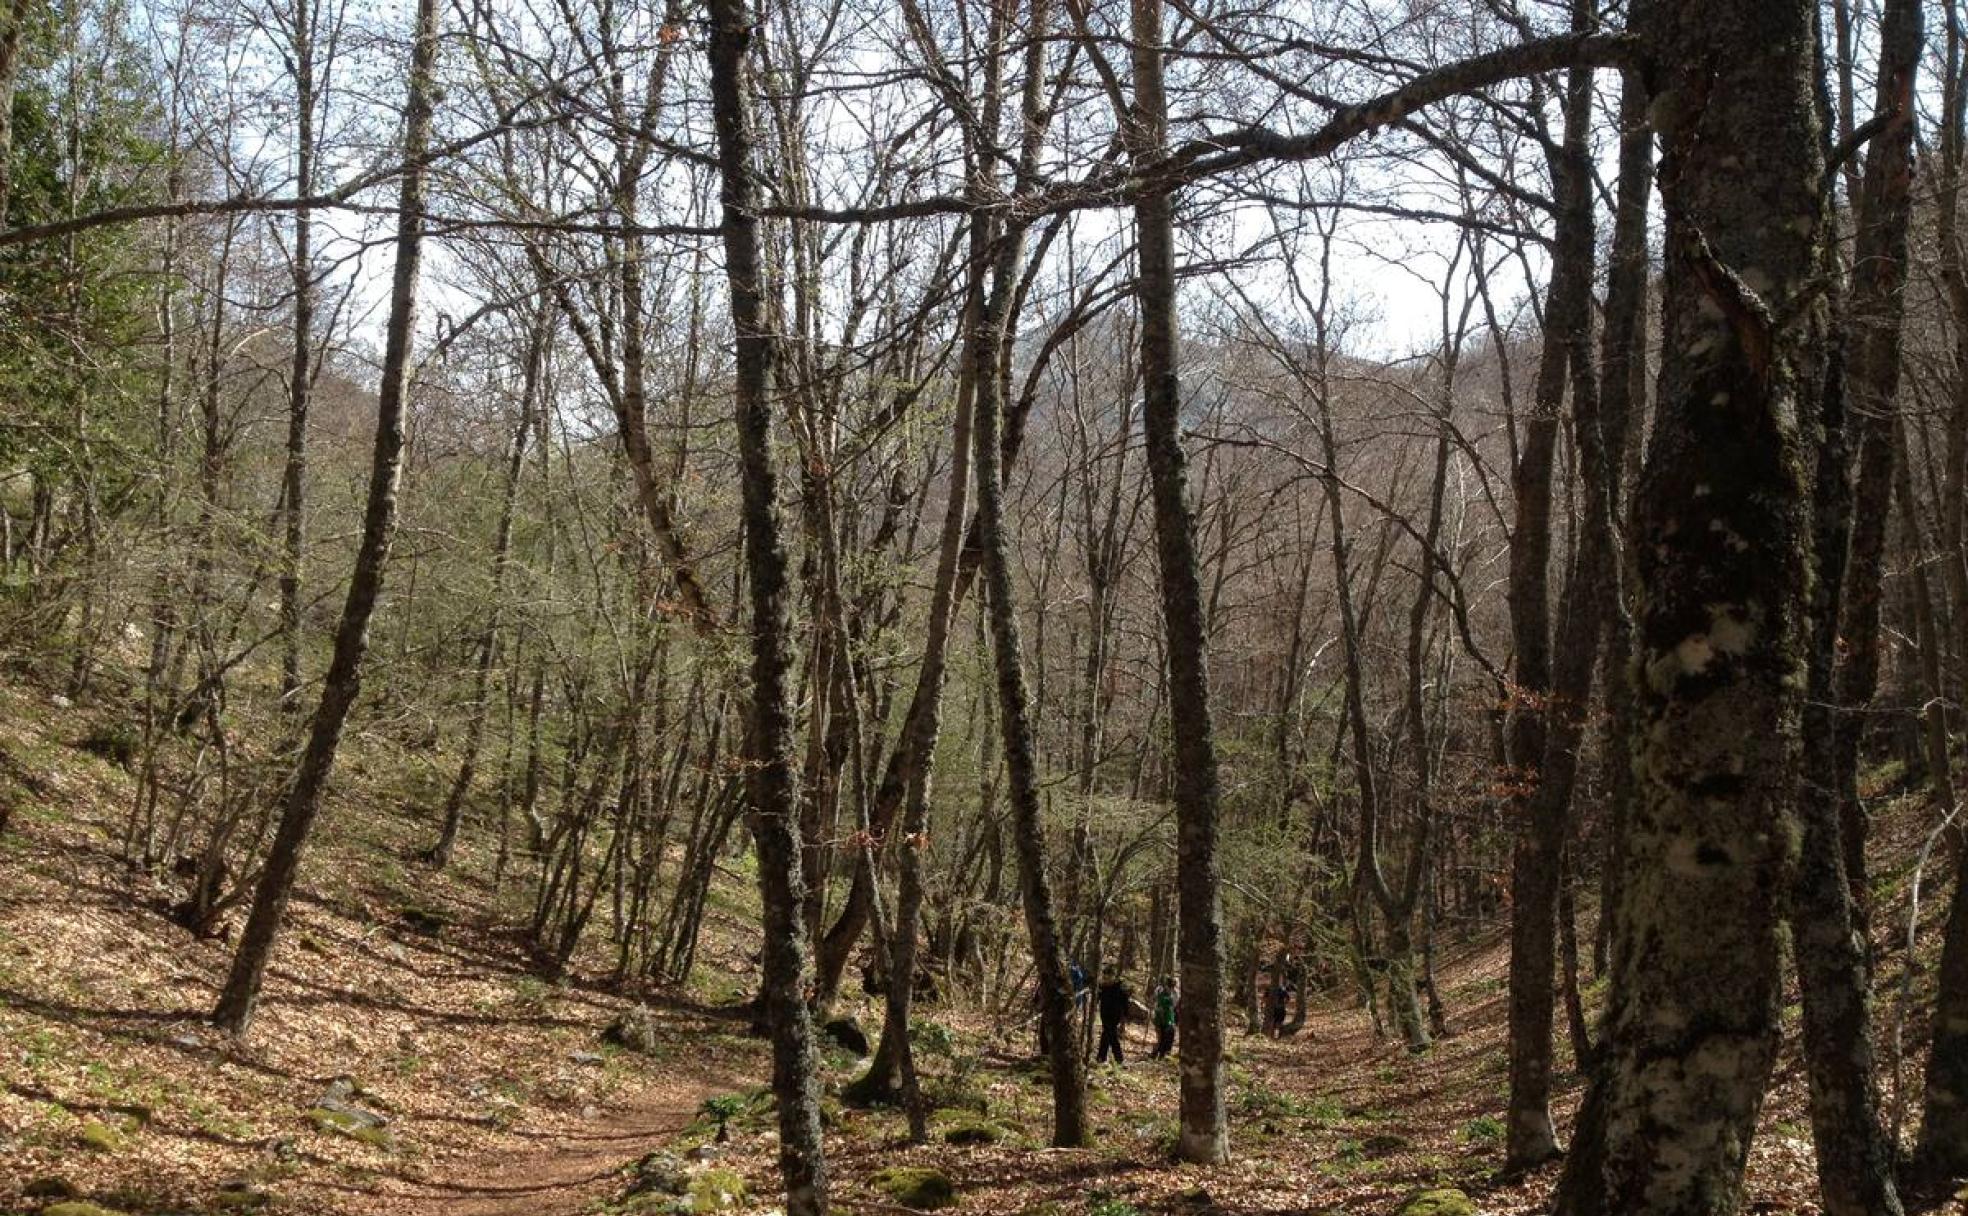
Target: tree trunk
{"points": [[13, 23], [1722, 546], [300, 373], [1943, 1149], [1539, 801], [1855, 1167], [1927, 634], [1622, 400], [887, 1072], [344, 678], [1204, 1136], [1069, 1127], [769, 776]]}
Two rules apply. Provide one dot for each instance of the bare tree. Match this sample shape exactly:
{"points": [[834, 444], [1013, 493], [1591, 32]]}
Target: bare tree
{"points": [[769, 782], [343, 681]]}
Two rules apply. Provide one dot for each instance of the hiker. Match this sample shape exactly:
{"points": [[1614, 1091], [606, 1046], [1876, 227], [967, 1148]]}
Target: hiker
{"points": [[1078, 975], [1115, 1001], [1276, 1001], [1164, 1018]]}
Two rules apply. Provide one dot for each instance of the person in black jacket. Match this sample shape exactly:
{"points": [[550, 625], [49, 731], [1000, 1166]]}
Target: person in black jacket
{"points": [[1115, 1000], [1277, 1002]]}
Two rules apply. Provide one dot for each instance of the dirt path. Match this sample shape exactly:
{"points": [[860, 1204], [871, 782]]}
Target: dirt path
{"points": [[566, 1172]]}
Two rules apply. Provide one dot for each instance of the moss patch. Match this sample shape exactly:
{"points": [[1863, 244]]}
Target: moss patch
{"points": [[915, 1186], [99, 1137], [716, 1190], [1447, 1202], [973, 1131], [341, 1123]]}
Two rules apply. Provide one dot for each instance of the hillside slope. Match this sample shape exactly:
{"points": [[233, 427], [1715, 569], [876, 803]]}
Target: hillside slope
{"points": [[403, 994], [398, 980]]}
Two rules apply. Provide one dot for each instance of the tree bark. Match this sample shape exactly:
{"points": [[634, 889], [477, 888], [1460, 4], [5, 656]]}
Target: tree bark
{"points": [[1622, 403], [1722, 544], [1069, 1128], [13, 23], [887, 1072], [769, 777], [1943, 1149], [1204, 1136], [300, 374]]}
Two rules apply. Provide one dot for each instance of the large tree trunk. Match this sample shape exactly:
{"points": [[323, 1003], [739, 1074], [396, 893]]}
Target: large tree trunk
{"points": [[1722, 544], [769, 776], [1953, 495], [344, 678], [1876, 310], [1204, 1137], [1622, 400], [988, 376]]}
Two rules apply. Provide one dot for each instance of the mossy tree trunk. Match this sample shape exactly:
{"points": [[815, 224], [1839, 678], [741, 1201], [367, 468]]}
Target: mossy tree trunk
{"points": [[1722, 545], [1204, 1136], [888, 1070], [769, 777]]}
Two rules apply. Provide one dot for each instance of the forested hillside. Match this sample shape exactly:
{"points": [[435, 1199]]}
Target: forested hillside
{"points": [[700, 605]]}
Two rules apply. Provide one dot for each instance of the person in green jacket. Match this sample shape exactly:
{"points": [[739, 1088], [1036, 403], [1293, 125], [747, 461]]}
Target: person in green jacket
{"points": [[1164, 1017]]}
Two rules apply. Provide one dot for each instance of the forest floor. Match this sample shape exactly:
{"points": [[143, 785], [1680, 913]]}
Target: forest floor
{"points": [[402, 993]]}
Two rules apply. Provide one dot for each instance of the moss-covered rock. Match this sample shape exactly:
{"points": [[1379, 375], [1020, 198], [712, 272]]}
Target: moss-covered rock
{"points": [[421, 918], [116, 742], [660, 1173], [99, 1137], [78, 1207], [831, 1112], [716, 1190], [1445, 1202], [917, 1186], [634, 1028], [846, 1033], [973, 1131], [352, 1125]]}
